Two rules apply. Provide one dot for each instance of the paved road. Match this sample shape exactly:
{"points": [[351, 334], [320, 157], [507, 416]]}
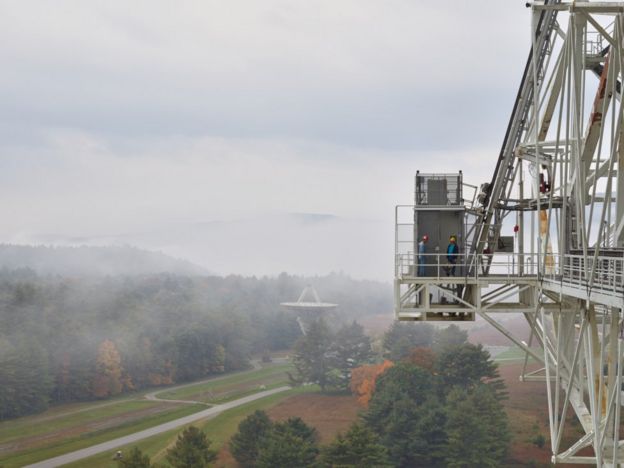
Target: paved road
{"points": [[153, 396], [113, 444]]}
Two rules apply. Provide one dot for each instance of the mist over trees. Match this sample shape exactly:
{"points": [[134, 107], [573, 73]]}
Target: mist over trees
{"points": [[68, 339], [93, 261]]}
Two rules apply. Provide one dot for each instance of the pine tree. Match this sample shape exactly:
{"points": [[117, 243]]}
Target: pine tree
{"points": [[245, 444], [287, 445], [403, 381], [25, 383], [358, 447], [467, 366], [407, 415], [449, 337], [311, 357], [351, 348], [191, 449], [414, 434], [476, 427], [135, 459], [423, 358], [298, 427], [402, 337]]}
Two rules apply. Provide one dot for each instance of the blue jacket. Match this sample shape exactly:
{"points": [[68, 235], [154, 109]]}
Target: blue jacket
{"points": [[451, 252]]}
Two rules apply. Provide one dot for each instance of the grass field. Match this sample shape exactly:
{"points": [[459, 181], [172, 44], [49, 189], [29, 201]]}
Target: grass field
{"points": [[525, 407], [66, 428], [236, 386], [513, 353], [75, 440], [32, 426], [218, 429]]}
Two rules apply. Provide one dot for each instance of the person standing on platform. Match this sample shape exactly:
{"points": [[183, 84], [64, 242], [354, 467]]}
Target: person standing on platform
{"points": [[452, 252], [421, 255]]}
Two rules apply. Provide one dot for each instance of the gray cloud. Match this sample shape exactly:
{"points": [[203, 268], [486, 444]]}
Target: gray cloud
{"points": [[357, 73], [120, 117]]}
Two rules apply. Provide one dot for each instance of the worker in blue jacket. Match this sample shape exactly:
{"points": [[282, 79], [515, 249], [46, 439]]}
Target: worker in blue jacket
{"points": [[452, 253]]}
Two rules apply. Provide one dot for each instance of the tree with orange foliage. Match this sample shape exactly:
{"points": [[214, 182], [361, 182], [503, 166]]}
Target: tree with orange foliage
{"points": [[363, 380], [107, 381]]}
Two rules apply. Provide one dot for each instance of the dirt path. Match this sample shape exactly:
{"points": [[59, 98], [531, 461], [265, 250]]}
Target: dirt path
{"points": [[115, 443]]}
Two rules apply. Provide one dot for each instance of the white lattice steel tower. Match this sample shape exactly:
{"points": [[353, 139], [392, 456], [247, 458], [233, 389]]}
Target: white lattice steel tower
{"points": [[558, 185]]}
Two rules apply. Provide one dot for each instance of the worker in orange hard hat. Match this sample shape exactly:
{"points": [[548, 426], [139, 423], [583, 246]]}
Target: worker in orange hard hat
{"points": [[421, 255]]}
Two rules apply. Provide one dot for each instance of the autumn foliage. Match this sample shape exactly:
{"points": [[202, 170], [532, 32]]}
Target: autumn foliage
{"points": [[108, 378], [363, 380]]}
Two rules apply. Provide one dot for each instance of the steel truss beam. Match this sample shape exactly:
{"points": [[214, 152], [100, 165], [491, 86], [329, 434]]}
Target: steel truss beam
{"points": [[560, 166], [578, 317]]}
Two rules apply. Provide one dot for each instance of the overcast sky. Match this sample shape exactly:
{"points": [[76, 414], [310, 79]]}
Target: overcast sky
{"points": [[121, 121]]}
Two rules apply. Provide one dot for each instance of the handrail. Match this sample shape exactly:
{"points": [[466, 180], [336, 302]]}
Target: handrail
{"points": [[572, 270]]}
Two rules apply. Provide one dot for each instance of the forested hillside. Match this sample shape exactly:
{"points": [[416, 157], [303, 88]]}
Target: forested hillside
{"points": [[74, 339], [90, 260]]}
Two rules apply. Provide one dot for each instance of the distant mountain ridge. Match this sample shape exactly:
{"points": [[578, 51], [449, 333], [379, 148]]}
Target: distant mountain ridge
{"points": [[93, 261]]}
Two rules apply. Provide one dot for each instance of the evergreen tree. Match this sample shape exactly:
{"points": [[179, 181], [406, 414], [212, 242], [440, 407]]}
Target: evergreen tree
{"points": [[415, 435], [423, 358], [135, 459], [245, 444], [476, 427], [311, 357], [449, 337], [358, 447], [191, 449], [467, 366], [402, 337], [404, 381], [407, 414], [25, 383], [198, 353], [299, 428], [351, 348], [285, 447]]}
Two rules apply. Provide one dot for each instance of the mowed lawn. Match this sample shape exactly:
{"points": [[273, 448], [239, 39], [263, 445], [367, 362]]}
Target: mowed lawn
{"points": [[235, 386], [513, 354], [66, 428], [218, 429], [79, 430]]}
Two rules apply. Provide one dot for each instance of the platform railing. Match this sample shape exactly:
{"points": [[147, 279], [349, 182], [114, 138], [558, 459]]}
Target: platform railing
{"points": [[438, 265], [602, 273]]}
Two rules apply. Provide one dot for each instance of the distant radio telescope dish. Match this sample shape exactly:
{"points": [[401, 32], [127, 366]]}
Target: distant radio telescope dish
{"points": [[308, 308]]}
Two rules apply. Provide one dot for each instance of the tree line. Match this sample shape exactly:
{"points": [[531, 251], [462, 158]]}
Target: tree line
{"points": [[437, 403], [435, 400], [70, 339]]}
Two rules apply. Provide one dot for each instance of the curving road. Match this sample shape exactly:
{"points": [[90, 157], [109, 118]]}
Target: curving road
{"points": [[115, 443]]}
